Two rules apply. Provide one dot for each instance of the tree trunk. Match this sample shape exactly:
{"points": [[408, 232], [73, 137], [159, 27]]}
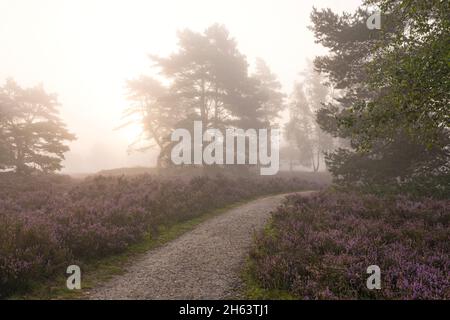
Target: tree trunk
{"points": [[318, 161], [316, 165], [203, 105]]}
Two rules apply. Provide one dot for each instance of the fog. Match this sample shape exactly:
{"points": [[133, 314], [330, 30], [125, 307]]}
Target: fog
{"points": [[85, 50]]}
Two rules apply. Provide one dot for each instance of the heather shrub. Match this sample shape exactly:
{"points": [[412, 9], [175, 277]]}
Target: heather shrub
{"points": [[319, 247], [50, 222], [29, 250]]}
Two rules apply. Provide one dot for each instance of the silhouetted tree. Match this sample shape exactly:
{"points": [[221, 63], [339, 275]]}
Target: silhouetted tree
{"points": [[155, 109], [299, 129], [32, 135], [317, 94], [207, 73], [302, 130], [269, 88], [208, 81], [5, 150]]}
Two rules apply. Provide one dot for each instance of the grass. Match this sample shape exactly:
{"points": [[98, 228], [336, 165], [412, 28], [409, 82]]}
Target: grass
{"points": [[251, 289], [93, 273]]}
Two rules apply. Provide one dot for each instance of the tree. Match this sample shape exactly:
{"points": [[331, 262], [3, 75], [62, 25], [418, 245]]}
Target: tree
{"points": [[209, 74], [208, 81], [5, 152], [32, 134], [153, 108], [317, 94], [290, 154], [3, 146], [270, 89], [299, 129], [302, 129], [396, 92]]}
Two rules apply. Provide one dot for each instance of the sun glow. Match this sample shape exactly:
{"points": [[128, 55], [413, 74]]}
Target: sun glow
{"points": [[86, 50]]}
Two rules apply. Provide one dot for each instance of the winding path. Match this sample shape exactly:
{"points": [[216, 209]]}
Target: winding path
{"points": [[203, 263]]}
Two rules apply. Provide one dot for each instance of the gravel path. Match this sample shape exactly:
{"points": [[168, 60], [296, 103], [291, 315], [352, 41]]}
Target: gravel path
{"points": [[201, 264]]}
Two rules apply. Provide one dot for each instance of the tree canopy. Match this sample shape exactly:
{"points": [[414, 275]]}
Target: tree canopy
{"points": [[395, 85], [32, 135], [206, 79]]}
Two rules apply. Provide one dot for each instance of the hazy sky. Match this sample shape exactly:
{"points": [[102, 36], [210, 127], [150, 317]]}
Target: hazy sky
{"points": [[84, 50]]}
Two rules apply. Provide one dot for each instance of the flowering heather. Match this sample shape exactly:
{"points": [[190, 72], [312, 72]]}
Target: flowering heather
{"points": [[49, 223], [319, 247]]}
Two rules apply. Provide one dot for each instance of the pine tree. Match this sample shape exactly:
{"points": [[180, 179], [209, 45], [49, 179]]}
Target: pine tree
{"points": [[32, 134]]}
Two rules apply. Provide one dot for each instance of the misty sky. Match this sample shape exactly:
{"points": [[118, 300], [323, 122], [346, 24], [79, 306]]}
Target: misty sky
{"points": [[84, 50]]}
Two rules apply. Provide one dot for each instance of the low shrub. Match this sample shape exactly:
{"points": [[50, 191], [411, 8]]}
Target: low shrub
{"points": [[48, 223], [319, 247]]}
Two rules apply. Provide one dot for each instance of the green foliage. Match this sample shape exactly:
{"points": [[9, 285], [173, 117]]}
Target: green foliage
{"points": [[31, 134], [395, 85]]}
